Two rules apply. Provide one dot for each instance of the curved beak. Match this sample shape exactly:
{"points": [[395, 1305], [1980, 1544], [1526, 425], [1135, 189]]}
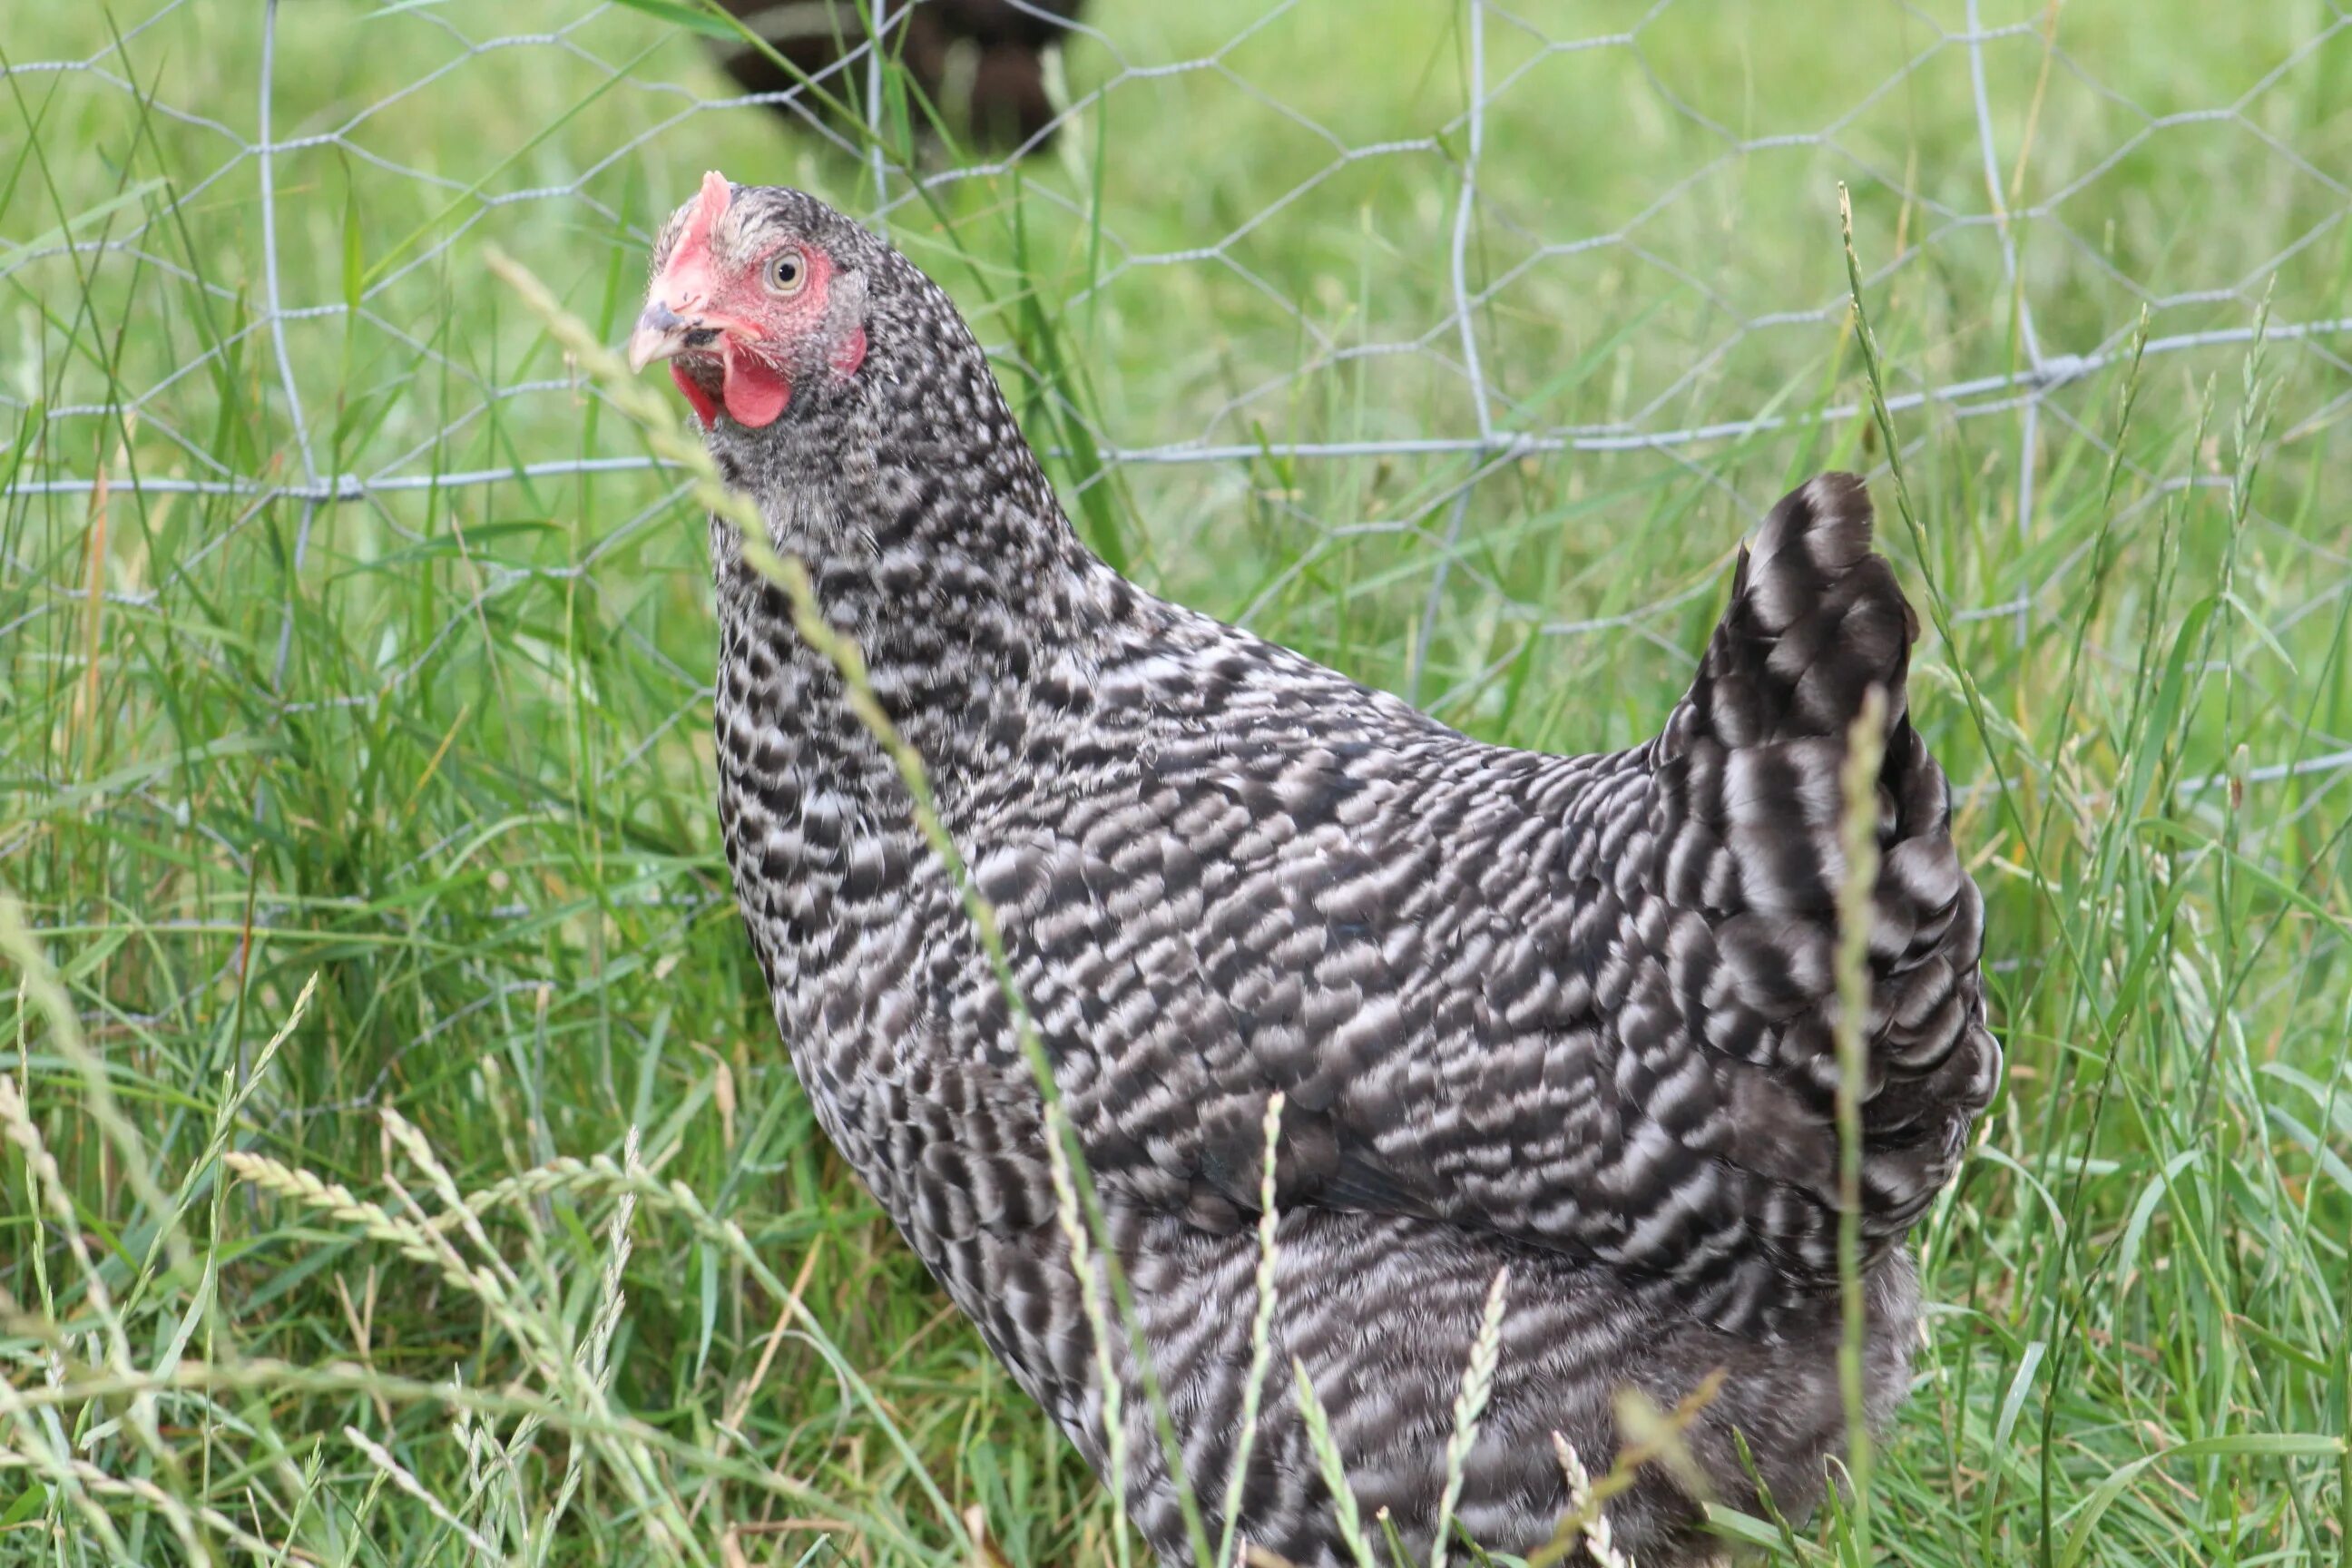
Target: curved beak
{"points": [[662, 332]]}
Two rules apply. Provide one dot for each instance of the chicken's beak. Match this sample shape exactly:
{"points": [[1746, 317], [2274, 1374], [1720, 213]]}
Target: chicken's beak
{"points": [[661, 333]]}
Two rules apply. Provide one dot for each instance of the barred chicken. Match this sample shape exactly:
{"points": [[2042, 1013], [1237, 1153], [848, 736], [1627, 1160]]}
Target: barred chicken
{"points": [[1570, 1015]]}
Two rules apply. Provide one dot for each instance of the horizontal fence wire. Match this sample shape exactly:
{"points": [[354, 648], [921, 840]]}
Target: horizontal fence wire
{"points": [[1491, 238]]}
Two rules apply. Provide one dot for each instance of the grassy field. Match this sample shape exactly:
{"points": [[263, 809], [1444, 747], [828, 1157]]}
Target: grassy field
{"points": [[399, 1165]]}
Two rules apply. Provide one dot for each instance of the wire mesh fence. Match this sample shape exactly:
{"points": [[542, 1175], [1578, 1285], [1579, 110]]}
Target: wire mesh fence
{"points": [[1457, 192], [1594, 240], [346, 631]]}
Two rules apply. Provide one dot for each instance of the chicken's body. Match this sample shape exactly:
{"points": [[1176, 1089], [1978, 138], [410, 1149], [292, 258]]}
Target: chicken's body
{"points": [[1566, 1014]]}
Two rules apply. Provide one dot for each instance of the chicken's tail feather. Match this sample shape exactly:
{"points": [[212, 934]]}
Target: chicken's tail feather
{"points": [[1816, 619], [1744, 820]]}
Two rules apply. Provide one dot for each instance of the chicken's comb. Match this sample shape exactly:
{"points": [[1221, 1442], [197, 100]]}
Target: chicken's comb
{"points": [[708, 207]]}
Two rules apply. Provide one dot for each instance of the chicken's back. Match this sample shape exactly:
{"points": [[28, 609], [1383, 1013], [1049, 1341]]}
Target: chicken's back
{"points": [[1581, 1002]]}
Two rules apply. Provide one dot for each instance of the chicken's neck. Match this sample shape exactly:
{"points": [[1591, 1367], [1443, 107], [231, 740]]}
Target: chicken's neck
{"points": [[951, 564]]}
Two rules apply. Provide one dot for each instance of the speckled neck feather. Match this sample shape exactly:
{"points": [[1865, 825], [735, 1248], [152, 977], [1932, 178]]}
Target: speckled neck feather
{"points": [[1567, 1014]]}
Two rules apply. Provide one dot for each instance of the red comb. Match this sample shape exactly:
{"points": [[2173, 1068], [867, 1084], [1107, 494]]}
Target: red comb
{"points": [[708, 207]]}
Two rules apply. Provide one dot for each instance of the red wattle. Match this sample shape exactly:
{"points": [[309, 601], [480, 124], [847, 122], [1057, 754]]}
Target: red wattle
{"points": [[704, 409], [755, 391]]}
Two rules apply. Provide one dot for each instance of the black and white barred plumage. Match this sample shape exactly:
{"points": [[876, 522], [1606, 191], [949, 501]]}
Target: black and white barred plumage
{"points": [[1566, 1014]]}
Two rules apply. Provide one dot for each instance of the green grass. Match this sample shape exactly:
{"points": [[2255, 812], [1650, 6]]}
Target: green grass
{"points": [[437, 753]]}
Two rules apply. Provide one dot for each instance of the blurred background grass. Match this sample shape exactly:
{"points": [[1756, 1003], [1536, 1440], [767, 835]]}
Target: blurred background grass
{"points": [[346, 634]]}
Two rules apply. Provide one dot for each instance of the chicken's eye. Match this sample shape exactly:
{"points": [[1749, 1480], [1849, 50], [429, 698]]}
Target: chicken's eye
{"points": [[786, 272]]}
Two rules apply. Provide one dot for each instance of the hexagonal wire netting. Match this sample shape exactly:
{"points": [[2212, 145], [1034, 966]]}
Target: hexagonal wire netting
{"points": [[314, 217], [1441, 340]]}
